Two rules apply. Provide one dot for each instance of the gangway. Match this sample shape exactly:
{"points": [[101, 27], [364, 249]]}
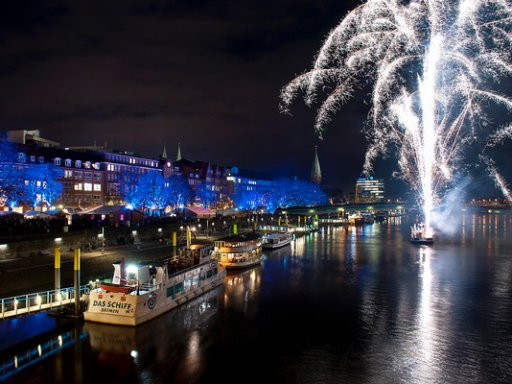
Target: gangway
{"points": [[39, 301]]}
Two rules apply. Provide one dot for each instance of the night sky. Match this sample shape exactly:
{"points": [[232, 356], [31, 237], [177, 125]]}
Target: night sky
{"points": [[136, 74]]}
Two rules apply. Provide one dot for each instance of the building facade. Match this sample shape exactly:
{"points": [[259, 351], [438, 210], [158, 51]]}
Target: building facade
{"points": [[369, 190], [94, 176], [90, 176], [255, 187], [207, 180]]}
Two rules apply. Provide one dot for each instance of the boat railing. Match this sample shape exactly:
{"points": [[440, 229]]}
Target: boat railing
{"points": [[38, 301], [181, 271]]}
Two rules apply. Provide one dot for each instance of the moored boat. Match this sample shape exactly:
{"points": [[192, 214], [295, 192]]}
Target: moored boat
{"points": [[356, 219], [238, 251], [276, 240], [153, 291]]}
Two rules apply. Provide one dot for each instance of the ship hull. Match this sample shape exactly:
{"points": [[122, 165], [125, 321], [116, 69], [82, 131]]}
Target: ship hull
{"points": [[426, 241], [131, 310], [278, 245]]}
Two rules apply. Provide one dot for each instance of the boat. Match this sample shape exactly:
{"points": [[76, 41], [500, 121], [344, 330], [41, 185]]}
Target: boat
{"points": [[276, 240], [356, 219], [153, 292], [418, 235], [238, 251], [368, 218]]}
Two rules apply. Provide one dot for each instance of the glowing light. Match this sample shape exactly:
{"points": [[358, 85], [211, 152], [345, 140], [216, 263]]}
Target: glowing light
{"points": [[432, 64], [131, 268], [134, 354]]}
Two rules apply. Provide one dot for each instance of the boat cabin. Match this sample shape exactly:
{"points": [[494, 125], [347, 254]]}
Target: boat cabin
{"points": [[238, 241]]}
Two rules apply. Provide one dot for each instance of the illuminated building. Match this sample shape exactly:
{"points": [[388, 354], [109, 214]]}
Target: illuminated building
{"points": [[369, 190]]}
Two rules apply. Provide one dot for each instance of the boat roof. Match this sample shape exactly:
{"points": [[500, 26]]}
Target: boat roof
{"points": [[241, 237], [278, 234]]}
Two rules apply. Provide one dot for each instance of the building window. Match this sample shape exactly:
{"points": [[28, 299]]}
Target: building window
{"points": [[97, 187], [87, 175], [41, 159], [96, 165], [68, 162], [97, 176], [87, 164], [78, 186], [57, 161], [87, 187], [21, 157], [68, 174], [78, 164], [78, 174], [33, 159]]}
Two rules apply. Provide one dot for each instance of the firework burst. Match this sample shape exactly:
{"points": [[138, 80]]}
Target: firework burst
{"points": [[434, 67]]}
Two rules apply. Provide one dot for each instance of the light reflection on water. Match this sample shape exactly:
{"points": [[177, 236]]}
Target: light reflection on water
{"points": [[344, 305]]}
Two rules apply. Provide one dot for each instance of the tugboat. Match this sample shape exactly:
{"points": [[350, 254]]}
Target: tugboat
{"points": [[418, 235], [238, 251], [276, 240], [148, 291]]}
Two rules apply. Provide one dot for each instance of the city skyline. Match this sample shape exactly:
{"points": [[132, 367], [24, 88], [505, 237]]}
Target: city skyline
{"points": [[83, 79]]}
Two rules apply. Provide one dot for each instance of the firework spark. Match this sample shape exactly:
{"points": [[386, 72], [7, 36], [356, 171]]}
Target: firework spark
{"points": [[434, 66]]}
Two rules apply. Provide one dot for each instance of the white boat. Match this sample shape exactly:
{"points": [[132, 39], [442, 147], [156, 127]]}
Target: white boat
{"points": [[418, 235], [276, 240], [149, 291], [238, 251]]}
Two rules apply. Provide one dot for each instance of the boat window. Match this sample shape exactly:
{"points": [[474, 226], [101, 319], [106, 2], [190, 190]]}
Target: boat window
{"points": [[178, 288], [209, 273], [170, 291], [215, 270]]}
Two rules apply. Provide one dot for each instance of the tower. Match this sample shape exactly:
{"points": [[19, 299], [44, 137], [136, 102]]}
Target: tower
{"points": [[316, 173], [164, 152], [178, 153]]}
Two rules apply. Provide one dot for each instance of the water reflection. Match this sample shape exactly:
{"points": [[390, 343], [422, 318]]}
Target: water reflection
{"points": [[344, 305], [172, 340]]}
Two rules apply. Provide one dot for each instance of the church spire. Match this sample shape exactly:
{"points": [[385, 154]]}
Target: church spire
{"points": [[178, 154], [316, 173], [164, 152]]}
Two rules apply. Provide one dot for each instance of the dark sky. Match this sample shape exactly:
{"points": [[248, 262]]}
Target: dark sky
{"points": [[138, 73], [206, 73]]}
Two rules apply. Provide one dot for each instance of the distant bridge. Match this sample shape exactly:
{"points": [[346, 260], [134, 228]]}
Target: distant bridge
{"points": [[389, 208]]}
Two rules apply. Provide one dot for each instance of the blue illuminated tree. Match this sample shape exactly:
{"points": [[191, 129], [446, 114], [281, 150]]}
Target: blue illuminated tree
{"points": [[248, 199], [149, 193], [294, 192], [179, 191], [10, 176], [41, 185], [205, 195]]}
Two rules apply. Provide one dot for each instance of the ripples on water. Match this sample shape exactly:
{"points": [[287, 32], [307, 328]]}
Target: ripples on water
{"points": [[345, 305]]}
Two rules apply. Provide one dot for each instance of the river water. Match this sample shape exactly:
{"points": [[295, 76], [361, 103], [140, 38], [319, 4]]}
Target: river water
{"points": [[344, 305]]}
